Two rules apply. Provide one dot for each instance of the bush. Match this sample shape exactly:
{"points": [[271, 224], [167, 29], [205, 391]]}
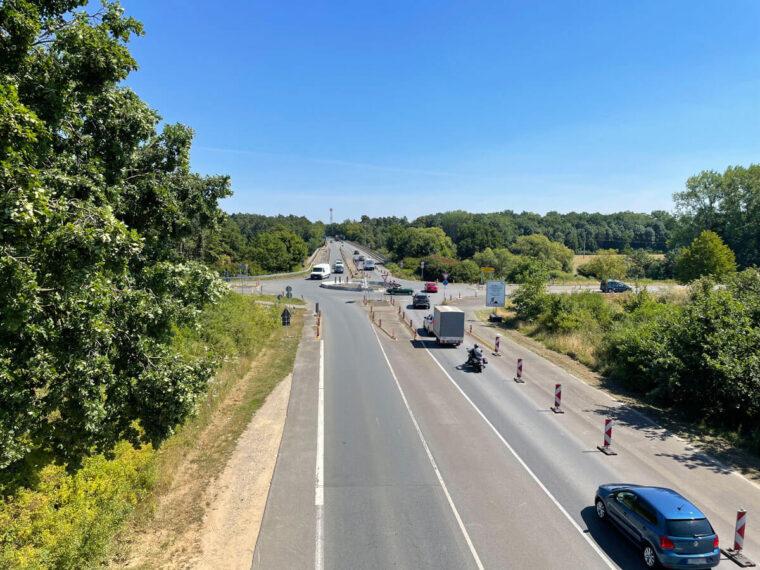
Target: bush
{"points": [[577, 311], [66, 520]]}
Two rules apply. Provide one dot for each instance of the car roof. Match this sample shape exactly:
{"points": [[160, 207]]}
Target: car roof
{"points": [[670, 504]]}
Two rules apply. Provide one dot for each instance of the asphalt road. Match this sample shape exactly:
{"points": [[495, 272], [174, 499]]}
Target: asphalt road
{"points": [[419, 463]]}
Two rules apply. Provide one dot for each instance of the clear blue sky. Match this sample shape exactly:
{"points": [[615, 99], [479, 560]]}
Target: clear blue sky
{"points": [[412, 107]]}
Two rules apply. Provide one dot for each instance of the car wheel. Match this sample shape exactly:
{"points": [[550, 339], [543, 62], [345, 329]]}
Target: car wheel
{"points": [[649, 556], [601, 510]]}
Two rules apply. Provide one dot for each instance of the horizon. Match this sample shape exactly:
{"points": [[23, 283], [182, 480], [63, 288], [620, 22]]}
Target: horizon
{"points": [[601, 108]]}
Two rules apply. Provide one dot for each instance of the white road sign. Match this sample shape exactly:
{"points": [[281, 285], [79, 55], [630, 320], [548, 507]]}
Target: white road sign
{"points": [[495, 294]]}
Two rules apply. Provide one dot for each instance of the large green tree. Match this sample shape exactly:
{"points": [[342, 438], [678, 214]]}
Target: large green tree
{"points": [[707, 255], [101, 226]]}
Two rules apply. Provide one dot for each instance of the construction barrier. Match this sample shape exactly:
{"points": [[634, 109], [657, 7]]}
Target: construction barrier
{"points": [[519, 374], [736, 553], [557, 408], [606, 448]]}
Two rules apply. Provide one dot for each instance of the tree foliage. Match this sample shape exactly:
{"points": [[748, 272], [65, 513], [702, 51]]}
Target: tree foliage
{"points": [[707, 255], [102, 227], [727, 204]]}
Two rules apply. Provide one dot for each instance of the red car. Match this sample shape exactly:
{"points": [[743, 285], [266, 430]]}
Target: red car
{"points": [[431, 287]]}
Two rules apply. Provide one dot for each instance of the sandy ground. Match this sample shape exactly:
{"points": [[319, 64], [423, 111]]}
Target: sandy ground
{"points": [[235, 503]]}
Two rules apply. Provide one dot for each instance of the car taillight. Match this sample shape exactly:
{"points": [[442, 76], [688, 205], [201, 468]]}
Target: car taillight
{"points": [[666, 543], [716, 542]]}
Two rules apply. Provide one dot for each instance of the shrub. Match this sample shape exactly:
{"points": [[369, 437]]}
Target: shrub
{"points": [[66, 520]]}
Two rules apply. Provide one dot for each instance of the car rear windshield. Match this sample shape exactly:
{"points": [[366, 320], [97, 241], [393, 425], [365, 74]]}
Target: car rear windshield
{"points": [[696, 527]]}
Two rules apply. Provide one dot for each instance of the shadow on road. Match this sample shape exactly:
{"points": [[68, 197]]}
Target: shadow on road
{"points": [[630, 416], [620, 550]]}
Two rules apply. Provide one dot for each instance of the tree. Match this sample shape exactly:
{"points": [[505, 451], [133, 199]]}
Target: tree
{"points": [[727, 204], [531, 298], [707, 255], [553, 254], [606, 264], [466, 271], [102, 227]]}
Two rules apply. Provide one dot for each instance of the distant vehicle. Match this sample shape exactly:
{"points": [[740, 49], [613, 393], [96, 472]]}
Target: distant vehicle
{"points": [[339, 262], [320, 271], [399, 290], [420, 301], [614, 286], [360, 258], [670, 531], [448, 325], [338, 268], [431, 287], [356, 252], [369, 265]]}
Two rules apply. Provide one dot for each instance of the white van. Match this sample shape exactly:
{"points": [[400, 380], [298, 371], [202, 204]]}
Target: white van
{"points": [[320, 271]]}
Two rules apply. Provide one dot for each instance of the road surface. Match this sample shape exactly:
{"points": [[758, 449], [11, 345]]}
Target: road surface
{"points": [[395, 457]]}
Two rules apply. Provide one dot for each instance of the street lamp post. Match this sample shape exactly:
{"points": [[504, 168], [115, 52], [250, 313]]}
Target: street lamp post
{"points": [[422, 270]]}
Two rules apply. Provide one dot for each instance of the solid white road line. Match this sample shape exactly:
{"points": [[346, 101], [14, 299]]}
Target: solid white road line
{"points": [[530, 472], [319, 488], [430, 457]]}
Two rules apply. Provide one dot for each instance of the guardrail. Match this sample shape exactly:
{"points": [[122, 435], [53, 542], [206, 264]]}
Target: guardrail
{"points": [[307, 266], [367, 250]]}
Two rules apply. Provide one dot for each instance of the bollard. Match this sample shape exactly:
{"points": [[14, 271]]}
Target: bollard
{"points": [[470, 329], [557, 408], [497, 352], [607, 447], [318, 309], [460, 294], [736, 553], [380, 323], [518, 376]]}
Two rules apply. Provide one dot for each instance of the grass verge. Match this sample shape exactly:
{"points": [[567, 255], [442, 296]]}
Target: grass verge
{"points": [[191, 460]]}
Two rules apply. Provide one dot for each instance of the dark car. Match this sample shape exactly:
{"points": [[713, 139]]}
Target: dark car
{"points": [[338, 269], [420, 301], [398, 290], [668, 529], [613, 286]]}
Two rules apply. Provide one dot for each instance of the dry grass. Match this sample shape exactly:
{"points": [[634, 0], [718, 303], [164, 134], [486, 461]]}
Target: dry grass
{"points": [[190, 461]]}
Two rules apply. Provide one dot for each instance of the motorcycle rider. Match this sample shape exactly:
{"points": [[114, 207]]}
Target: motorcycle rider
{"points": [[476, 354]]}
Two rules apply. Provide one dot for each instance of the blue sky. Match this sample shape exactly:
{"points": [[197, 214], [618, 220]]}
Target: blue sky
{"points": [[413, 107]]}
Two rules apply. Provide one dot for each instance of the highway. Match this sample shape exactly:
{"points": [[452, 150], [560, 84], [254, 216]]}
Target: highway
{"points": [[393, 456]]}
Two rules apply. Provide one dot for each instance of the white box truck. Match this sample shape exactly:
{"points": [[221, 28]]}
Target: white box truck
{"points": [[448, 325]]}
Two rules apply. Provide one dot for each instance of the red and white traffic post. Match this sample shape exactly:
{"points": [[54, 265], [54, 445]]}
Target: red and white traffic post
{"points": [[518, 375], [606, 448], [557, 407], [736, 553], [497, 343]]}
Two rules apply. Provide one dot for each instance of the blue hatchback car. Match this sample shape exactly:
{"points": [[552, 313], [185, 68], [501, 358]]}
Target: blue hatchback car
{"points": [[670, 531]]}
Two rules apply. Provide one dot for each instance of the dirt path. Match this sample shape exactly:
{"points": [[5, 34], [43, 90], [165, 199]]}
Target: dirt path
{"points": [[235, 503]]}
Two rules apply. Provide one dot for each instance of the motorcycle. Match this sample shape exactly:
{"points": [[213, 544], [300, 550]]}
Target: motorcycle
{"points": [[476, 360]]}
